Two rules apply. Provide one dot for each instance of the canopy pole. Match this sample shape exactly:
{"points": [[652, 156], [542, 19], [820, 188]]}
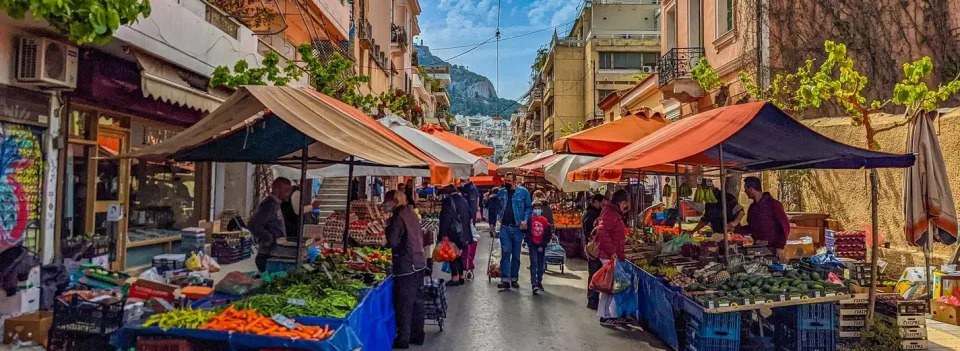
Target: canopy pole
{"points": [[643, 190], [303, 185], [875, 247], [676, 193], [346, 221], [723, 205], [931, 228]]}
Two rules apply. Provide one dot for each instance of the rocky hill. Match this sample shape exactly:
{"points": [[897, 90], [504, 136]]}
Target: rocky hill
{"points": [[470, 93]]}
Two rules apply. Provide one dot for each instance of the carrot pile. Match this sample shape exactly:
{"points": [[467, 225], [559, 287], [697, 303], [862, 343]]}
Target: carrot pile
{"points": [[250, 321]]}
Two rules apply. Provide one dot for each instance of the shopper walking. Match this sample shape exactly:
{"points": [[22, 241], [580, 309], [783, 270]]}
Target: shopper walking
{"points": [[593, 264], [611, 240], [517, 207], [409, 262], [537, 239], [455, 226], [267, 224], [470, 192], [494, 209]]}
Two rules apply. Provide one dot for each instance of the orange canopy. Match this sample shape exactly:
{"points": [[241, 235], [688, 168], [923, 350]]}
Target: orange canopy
{"points": [[465, 144], [607, 138]]}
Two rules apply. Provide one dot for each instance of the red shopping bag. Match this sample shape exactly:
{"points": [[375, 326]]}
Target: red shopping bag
{"points": [[446, 251], [603, 280]]}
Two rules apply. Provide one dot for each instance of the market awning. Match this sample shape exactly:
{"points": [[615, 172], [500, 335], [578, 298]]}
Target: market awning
{"points": [[535, 167], [164, 82], [607, 138], [755, 136], [265, 124], [461, 142], [514, 165], [927, 197], [555, 171]]}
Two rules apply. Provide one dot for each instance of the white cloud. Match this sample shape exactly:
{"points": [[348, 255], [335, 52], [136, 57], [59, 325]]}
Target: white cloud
{"points": [[552, 12]]}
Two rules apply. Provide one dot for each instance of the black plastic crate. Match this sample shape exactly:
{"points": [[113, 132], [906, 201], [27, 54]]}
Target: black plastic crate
{"points": [[165, 265], [788, 338], [715, 326], [80, 316], [60, 340], [821, 316]]}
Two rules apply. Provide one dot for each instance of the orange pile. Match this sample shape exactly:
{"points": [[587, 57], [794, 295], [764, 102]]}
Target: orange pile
{"points": [[249, 321]]}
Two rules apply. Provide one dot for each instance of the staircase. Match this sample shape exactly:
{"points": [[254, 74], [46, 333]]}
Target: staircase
{"points": [[332, 196]]}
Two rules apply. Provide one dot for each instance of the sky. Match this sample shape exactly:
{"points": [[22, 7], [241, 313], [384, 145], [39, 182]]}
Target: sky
{"points": [[453, 23]]}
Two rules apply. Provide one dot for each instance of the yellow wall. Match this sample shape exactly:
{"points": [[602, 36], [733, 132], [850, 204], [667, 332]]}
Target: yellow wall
{"points": [[568, 88], [844, 194], [610, 79]]}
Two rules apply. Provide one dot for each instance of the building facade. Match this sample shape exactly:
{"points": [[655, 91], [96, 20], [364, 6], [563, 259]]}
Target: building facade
{"points": [[148, 83], [610, 45]]}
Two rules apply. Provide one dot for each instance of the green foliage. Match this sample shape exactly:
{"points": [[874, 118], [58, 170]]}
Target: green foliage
{"points": [[82, 21], [913, 93], [251, 13], [639, 77], [570, 128], [705, 75], [539, 61], [879, 337]]}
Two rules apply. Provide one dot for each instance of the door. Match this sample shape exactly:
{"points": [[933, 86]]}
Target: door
{"points": [[111, 190]]}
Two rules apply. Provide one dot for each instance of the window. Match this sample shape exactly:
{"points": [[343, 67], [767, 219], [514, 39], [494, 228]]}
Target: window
{"points": [[650, 59], [620, 60], [602, 93], [724, 16]]}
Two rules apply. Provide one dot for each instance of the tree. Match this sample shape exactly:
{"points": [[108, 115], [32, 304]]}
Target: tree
{"points": [[539, 61], [82, 21], [837, 81]]}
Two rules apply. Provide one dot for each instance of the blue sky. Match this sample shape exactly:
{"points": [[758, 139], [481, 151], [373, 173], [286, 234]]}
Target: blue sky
{"points": [[449, 23]]}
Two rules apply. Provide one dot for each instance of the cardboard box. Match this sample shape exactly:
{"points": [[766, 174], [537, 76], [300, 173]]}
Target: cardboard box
{"points": [[24, 301], [209, 228], [914, 345], [904, 321], [945, 313], [145, 289], [796, 251], [33, 280], [914, 333], [29, 327], [856, 299]]}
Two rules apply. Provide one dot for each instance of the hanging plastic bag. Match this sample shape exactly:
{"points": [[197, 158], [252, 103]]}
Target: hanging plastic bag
{"points": [[603, 280], [445, 267], [623, 277], [193, 263], [152, 275], [446, 251]]}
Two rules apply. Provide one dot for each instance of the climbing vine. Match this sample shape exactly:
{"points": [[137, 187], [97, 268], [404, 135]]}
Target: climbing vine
{"points": [[705, 75], [82, 21]]}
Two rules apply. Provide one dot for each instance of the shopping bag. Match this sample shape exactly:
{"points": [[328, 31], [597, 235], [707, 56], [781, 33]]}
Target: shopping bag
{"points": [[445, 267], [592, 249], [623, 277], [446, 251], [603, 280]]}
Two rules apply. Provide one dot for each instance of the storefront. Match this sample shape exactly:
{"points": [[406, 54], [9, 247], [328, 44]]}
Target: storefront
{"points": [[139, 206], [23, 121]]}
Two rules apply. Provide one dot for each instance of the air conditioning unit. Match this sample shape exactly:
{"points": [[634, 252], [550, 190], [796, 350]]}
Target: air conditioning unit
{"points": [[47, 63], [648, 69]]}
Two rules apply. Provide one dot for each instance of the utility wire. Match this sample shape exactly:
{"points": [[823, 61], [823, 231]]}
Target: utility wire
{"points": [[505, 38]]}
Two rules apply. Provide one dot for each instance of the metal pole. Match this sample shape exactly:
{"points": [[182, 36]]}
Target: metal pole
{"points": [[676, 193], [931, 229], [303, 184], [875, 247], [346, 221], [723, 204], [643, 191]]}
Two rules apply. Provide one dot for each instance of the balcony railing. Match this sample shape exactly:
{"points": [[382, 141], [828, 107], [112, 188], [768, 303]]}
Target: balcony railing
{"points": [[365, 31], [398, 35], [677, 63]]}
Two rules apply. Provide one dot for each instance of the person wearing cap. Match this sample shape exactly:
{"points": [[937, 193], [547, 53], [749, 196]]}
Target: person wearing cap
{"points": [[517, 206]]}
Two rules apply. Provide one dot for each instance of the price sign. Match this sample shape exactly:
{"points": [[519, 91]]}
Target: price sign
{"points": [[284, 321], [298, 302], [114, 213]]}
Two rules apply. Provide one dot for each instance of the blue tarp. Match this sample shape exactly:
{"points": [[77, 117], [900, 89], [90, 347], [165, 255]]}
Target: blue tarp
{"points": [[371, 324], [656, 302]]}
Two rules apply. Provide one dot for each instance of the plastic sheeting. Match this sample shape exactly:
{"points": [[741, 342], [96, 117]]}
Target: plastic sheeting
{"points": [[656, 303], [373, 319], [342, 340]]}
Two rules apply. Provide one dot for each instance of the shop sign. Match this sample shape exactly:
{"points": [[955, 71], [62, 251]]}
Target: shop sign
{"points": [[114, 213], [17, 104]]}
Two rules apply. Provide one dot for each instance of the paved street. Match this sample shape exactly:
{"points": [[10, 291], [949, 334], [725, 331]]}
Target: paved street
{"points": [[480, 317]]}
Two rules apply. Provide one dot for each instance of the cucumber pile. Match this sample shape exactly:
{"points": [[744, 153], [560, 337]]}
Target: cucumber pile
{"points": [[740, 286]]}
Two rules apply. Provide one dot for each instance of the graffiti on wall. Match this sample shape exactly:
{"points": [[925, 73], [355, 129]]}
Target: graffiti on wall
{"points": [[21, 174]]}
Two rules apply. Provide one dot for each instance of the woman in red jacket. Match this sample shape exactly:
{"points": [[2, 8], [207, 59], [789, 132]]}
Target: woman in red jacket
{"points": [[611, 240]]}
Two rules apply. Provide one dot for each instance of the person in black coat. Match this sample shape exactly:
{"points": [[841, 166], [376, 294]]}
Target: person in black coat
{"points": [[593, 264], [493, 206], [455, 221]]}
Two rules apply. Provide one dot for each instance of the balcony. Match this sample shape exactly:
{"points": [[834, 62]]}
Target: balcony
{"points": [[440, 73], [398, 35], [441, 95], [673, 73], [365, 33]]}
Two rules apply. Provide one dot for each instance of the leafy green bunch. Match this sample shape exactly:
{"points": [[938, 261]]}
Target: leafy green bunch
{"points": [[705, 75], [83, 21]]}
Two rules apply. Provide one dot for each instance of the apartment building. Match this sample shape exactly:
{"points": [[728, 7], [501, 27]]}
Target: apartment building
{"points": [[493, 131], [141, 88], [610, 44], [383, 47]]}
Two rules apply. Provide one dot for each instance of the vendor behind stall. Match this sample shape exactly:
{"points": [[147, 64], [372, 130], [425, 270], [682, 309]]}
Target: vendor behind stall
{"points": [[267, 222], [766, 219], [713, 213]]}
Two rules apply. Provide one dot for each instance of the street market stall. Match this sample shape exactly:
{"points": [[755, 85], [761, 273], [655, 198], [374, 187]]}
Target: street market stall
{"points": [[692, 290], [343, 299]]}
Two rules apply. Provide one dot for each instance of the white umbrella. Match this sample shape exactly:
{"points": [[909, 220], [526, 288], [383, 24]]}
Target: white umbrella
{"points": [[511, 167], [556, 173]]}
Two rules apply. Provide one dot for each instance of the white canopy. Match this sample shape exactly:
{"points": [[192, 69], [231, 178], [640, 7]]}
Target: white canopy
{"points": [[511, 167], [462, 163], [556, 173]]}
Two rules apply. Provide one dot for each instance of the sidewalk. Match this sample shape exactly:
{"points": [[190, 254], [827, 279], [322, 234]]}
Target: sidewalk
{"points": [[943, 336]]}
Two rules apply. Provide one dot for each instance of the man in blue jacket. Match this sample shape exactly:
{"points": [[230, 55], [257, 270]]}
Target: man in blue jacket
{"points": [[517, 207]]}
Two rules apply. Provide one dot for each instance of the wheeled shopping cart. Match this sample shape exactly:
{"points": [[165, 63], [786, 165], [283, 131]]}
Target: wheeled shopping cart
{"points": [[434, 295], [555, 255]]}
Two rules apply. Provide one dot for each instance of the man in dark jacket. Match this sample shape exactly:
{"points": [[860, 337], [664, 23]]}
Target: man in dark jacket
{"points": [[493, 211], [267, 222], [470, 192], [409, 262], [593, 264], [455, 221]]}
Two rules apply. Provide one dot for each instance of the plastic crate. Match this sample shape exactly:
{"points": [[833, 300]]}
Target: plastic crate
{"points": [[169, 262], [821, 316], [788, 338], [78, 315], [715, 326], [59, 340], [708, 344]]}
